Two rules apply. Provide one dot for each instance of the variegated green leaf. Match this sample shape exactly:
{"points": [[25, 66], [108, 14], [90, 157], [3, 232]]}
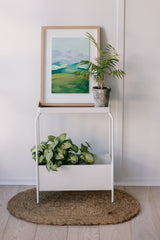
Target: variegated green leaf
{"points": [[59, 163], [59, 156], [51, 138], [44, 143], [84, 148], [40, 148], [48, 166], [49, 155], [72, 158], [40, 159], [82, 157], [74, 148], [69, 140], [62, 137], [45, 153], [62, 151], [88, 145], [66, 145], [54, 143], [53, 167], [87, 157]]}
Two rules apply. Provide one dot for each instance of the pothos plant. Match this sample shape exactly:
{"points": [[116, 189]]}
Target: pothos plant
{"points": [[105, 64], [58, 151]]}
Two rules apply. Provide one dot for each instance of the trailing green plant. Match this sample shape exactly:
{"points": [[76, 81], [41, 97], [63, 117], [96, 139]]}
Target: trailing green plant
{"points": [[106, 64], [58, 151]]}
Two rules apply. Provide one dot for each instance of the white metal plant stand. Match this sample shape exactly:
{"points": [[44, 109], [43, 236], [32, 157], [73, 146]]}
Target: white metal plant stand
{"points": [[67, 177]]}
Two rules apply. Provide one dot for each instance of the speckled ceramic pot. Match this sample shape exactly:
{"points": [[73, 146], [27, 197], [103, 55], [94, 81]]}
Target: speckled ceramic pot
{"points": [[101, 96]]}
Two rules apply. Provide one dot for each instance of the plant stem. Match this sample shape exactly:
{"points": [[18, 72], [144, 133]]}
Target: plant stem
{"points": [[99, 82]]}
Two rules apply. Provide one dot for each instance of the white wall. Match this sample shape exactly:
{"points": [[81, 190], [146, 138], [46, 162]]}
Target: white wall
{"points": [[20, 23], [20, 50], [141, 161]]}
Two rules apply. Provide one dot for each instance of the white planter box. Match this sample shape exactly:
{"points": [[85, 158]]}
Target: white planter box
{"points": [[78, 177]]}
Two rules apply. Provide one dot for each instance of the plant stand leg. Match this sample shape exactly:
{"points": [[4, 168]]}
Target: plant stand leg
{"points": [[37, 143], [112, 155]]}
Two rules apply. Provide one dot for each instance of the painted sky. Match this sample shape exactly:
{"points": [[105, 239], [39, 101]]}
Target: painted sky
{"points": [[70, 50]]}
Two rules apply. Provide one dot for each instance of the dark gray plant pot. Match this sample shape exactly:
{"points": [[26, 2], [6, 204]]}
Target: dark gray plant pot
{"points": [[101, 96]]}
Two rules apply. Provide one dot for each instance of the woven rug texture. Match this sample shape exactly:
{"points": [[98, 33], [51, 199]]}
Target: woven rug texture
{"points": [[74, 207]]}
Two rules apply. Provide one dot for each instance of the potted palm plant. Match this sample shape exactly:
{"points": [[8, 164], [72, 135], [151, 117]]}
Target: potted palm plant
{"points": [[105, 66]]}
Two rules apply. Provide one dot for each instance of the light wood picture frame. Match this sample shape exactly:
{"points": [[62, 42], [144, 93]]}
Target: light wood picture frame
{"points": [[62, 48]]}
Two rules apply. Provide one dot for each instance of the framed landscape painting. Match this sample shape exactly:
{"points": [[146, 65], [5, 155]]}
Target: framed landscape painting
{"points": [[62, 50]]}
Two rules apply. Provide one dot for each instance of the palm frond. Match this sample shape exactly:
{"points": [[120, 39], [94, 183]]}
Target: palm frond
{"points": [[118, 73], [106, 64], [91, 38]]}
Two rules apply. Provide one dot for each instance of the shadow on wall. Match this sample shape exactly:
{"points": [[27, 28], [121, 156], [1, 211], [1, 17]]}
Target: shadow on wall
{"points": [[114, 84], [92, 128], [138, 166]]}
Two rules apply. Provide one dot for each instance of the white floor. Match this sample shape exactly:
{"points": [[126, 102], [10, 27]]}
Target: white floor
{"points": [[146, 226]]}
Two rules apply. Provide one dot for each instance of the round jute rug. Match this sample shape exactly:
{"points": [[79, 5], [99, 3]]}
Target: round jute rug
{"points": [[74, 208]]}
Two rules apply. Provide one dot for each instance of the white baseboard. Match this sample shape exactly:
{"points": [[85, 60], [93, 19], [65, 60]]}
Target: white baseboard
{"points": [[17, 182], [138, 182], [124, 182]]}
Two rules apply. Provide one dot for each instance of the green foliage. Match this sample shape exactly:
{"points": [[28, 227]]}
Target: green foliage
{"points": [[58, 151], [106, 64], [87, 157], [69, 83]]}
